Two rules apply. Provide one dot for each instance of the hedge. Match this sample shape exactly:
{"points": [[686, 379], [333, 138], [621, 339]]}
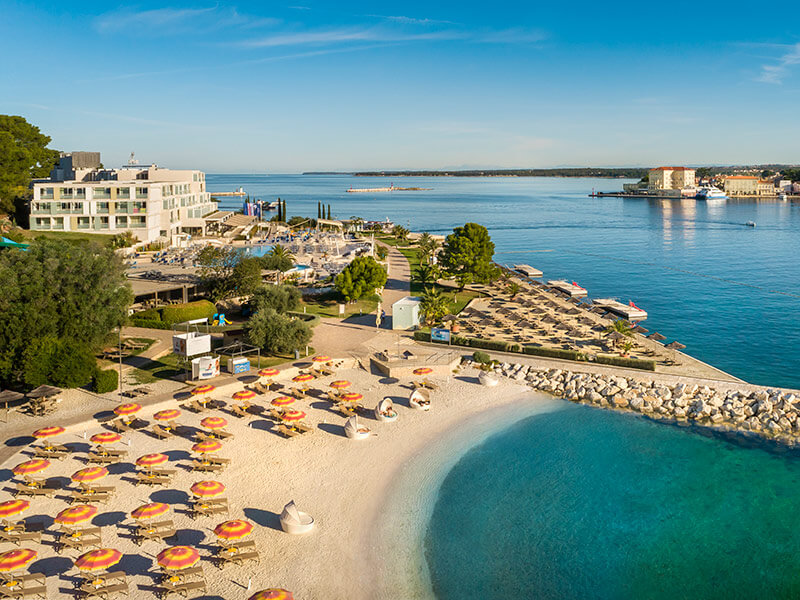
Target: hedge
{"points": [[554, 353], [422, 336], [633, 363], [149, 323], [490, 344], [152, 314], [481, 357], [105, 381], [177, 313]]}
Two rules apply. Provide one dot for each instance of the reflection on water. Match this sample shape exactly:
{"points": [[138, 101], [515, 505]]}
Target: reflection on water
{"points": [[727, 291]]}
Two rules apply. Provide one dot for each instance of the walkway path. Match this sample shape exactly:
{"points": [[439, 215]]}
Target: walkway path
{"points": [[398, 284]]}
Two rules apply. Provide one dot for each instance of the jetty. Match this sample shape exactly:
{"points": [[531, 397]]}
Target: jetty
{"points": [[391, 188], [574, 290], [527, 270], [239, 192], [630, 312]]}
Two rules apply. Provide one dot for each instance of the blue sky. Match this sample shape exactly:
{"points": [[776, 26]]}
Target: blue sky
{"points": [[272, 87]]}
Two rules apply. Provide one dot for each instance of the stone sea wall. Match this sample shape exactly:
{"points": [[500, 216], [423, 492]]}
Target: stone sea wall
{"points": [[771, 413]]}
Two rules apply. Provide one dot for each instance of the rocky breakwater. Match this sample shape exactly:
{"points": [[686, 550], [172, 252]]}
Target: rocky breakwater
{"points": [[767, 412]]}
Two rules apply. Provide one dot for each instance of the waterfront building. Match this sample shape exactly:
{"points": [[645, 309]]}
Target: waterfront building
{"points": [[748, 185], [149, 201], [670, 178]]}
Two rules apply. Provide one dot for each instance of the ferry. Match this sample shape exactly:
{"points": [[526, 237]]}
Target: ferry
{"points": [[711, 193]]}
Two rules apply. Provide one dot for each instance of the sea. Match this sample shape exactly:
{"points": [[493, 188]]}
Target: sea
{"points": [[587, 503]]}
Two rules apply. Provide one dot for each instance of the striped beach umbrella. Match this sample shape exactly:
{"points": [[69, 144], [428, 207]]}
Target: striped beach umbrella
{"points": [[98, 560], [352, 397], [321, 359], [235, 529], [207, 489], [302, 378], [151, 460], [9, 508], [48, 432], [76, 514], [269, 372], [89, 474], [293, 415], [213, 422], [167, 415], [129, 408], [283, 401], [14, 560], [203, 389], [176, 558], [423, 371], [107, 437], [151, 510], [31, 466], [272, 594], [340, 384], [207, 446], [244, 395]]}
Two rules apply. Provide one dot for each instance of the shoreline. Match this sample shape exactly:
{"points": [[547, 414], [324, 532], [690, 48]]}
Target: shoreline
{"points": [[412, 495]]}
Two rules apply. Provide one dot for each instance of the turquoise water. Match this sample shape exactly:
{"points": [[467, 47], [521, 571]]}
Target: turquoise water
{"points": [[586, 503], [730, 293]]}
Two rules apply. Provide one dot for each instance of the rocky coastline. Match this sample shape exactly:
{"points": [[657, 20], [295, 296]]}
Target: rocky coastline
{"points": [[767, 412]]}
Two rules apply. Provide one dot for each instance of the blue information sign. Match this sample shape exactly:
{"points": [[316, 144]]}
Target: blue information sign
{"points": [[439, 334]]}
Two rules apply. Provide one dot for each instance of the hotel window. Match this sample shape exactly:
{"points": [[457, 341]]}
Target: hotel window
{"points": [[46, 193], [123, 193], [83, 223], [58, 223], [100, 192], [43, 223], [101, 222], [66, 193], [102, 207], [122, 222], [80, 193], [141, 192]]}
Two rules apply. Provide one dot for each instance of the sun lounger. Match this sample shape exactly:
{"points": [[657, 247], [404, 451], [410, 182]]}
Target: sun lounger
{"points": [[295, 430], [182, 589], [298, 393], [238, 558], [17, 537], [82, 531], [102, 459], [152, 479], [24, 578], [99, 489], [196, 406], [207, 509], [185, 573], [158, 531], [206, 467], [221, 434], [26, 490], [275, 414], [161, 433], [237, 545], [54, 453], [81, 496], [105, 591], [25, 592], [120, 426], [79, 543], [239, 410], [260, 387], [164, 472]]}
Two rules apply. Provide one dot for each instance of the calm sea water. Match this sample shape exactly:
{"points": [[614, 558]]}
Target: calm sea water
{"points": [[586, 503], [730, 293]]}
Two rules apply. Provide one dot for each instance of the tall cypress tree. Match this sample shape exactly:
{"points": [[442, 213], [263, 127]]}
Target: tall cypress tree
{"points": [[319, 209], [329, 212], [279, 210], [285, 215]]}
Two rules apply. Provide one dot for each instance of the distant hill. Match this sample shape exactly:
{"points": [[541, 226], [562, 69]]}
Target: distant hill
{"points": [[628, 173]]}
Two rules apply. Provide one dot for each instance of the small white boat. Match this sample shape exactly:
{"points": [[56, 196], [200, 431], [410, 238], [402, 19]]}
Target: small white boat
{"points": [[751, 223], [420, 399], [385, 411], [710, 193]]}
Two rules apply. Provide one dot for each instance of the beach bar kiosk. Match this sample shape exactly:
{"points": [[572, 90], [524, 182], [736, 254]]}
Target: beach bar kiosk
{"points": [[405, 313]]}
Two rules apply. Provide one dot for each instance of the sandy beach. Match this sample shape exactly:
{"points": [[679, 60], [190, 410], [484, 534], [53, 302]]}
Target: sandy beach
{"points": [[370, 499]]}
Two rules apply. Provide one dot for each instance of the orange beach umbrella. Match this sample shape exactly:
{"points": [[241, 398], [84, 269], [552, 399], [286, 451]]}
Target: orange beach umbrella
{"points": [[127, 409], [269, 372], [14, 560], [31, 466], [283, 401], [302, 378], [150, 460], [9, 508], [321, 359], [203, 389], [76, 514], [148, 511], [46, 432], [89, 474], [235, 529], [244, 395], [423, 371], [272, 594], [167, 415], [107, 437], [207, 489], [213, 422], [293, 415], [98, 560], [352, 397], [176, 558], [340, 384], [207, 446]]}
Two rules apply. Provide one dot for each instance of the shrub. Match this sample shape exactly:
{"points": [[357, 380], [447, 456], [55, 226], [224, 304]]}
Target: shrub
{"points": [[307, 318], [381, 252], [481, 357], [280, 298], [149, 323], [152, 314], [554, 353], [60, 362], [633, 363], [422, 336], [498, 345], [105, 381], [360, 278], [200, 309], [276, 333]]}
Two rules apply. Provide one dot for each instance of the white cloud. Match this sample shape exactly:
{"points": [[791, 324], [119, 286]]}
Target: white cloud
{"points": [[176, 20], [345, 35], [775, 73]]}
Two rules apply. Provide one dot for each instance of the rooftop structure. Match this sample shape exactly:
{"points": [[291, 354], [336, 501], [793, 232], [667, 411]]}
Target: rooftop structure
{"points": [[670, 178], [748, 185], [151, 202]]}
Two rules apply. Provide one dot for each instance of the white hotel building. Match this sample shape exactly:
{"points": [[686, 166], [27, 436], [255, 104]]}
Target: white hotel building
{"points": [[150, 202]]}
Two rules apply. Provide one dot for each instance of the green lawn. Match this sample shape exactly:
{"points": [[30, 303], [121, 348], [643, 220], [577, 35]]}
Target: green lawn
{"points": [[327, 305], [169, 366], [77, 237]]}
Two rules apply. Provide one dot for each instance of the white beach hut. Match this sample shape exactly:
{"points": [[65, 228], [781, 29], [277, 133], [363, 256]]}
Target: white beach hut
{"points": [[294, 521], [385, 411], [353, 431], [420, 399]]}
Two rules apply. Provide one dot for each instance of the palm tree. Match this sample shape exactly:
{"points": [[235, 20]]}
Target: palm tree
{"points": [[426, 274], [281, 252], [427, 246], [620, 327], [400, 232], [513, 289], [434, 305]]}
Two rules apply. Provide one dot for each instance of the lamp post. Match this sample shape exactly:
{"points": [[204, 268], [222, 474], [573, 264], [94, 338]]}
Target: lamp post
{"points": [[119, 354]]}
